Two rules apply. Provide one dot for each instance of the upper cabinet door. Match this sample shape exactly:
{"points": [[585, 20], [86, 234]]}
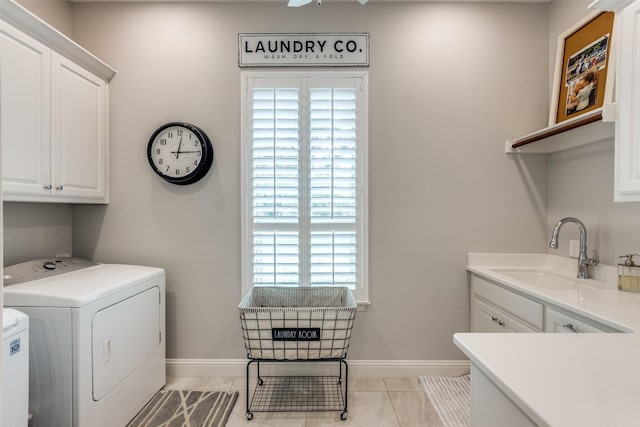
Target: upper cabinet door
{"points": [[24, 112], [627, 145], [78, 148]]}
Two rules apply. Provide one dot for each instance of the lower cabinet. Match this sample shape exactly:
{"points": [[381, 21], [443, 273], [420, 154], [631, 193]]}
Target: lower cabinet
{"points": [[490, 407], [495, 309], [489, 318]]}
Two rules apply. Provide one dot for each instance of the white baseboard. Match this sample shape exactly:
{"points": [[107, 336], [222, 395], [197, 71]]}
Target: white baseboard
{"points": [[357, 368]]}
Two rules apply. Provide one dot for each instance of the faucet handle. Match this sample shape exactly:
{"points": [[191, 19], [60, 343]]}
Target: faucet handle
{"points": [[591, 261]]}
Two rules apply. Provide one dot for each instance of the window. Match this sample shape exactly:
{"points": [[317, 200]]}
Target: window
{"points": [[304, 180]]}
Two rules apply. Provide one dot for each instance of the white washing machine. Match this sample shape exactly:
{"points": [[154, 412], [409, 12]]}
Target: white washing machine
{"points": [[15, 369], [97, 338]]}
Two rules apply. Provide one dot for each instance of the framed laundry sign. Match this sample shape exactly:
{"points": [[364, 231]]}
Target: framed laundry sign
{"points": [[583, 68], [303, 50]]}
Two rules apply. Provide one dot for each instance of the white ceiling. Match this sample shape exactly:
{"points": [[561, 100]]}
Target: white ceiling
{"points": [[282, 1]]}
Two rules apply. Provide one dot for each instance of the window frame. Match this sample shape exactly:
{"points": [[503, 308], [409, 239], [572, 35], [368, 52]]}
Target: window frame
{"points": [[361, 293]]}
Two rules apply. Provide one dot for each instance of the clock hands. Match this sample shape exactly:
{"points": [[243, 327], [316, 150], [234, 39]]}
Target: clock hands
{"points": [[179, 151]]}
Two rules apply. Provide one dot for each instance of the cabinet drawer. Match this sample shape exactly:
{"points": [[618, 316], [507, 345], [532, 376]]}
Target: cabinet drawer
{"points": [[486, 317], [521, 307], [559, 322]]}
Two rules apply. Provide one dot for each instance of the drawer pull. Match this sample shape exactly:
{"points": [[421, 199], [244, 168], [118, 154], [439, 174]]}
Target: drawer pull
{"points": [[572, 328]]}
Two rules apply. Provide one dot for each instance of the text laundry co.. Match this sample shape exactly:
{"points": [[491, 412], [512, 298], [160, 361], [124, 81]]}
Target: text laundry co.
{"points": [[286, 50], [298, 46]]}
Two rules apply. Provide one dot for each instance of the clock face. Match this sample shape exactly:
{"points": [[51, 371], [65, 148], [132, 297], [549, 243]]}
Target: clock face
{"points": [[180, 153]]}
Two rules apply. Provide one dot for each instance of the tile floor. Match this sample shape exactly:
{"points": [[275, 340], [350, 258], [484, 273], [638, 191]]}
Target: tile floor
{"points": [[373, 402]]}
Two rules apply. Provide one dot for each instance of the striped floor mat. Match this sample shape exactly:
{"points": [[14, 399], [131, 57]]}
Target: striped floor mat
{"points": [[451, 398], [186, 408]]}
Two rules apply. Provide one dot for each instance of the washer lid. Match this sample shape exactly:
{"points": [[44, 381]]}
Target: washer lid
{"points": [[78, 288], [8, 320], [13, 319]]}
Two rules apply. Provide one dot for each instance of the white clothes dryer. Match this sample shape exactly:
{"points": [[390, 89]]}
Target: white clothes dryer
{"points": [[96, 335]]}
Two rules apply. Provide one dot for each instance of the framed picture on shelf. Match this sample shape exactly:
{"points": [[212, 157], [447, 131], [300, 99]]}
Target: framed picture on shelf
{"points": [[583, 67]]}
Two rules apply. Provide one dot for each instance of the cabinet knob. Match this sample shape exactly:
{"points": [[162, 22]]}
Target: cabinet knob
{"points": [[501, 322], [494, 318], [47, 187], [59, 187]]}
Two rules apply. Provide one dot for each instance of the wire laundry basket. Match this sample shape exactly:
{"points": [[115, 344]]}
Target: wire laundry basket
{"points": [[297, 323]]}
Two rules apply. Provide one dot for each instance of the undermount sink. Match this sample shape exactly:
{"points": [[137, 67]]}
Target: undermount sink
{"points": [[543, 272], [541, 278]]}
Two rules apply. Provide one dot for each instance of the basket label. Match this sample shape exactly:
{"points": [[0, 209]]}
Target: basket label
{"points": [[295, 334]]}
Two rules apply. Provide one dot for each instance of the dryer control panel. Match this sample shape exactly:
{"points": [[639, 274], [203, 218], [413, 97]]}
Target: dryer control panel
{"points": [[41, 268]]}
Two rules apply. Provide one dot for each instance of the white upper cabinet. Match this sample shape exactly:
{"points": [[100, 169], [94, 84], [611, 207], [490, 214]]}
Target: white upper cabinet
{"points": [[54, 114], [25, 112], [627, 140]]}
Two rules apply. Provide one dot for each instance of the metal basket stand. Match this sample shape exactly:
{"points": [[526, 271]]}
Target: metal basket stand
{"points": [[299, 393]]}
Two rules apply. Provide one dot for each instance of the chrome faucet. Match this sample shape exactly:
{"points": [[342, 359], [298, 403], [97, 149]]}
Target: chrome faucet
{"points": [[583, 260]]}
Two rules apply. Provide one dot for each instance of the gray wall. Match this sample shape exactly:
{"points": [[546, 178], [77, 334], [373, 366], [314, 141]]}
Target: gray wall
{"points": [[36, 230], [57, 13], [449, 83]]}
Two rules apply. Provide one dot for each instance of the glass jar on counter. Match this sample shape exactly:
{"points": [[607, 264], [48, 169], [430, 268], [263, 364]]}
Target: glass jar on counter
{"points": [[629, 274]]}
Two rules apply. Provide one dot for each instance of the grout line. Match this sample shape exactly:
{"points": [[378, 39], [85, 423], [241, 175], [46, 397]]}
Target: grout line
{"points": [[395, 413], [393, 406]]}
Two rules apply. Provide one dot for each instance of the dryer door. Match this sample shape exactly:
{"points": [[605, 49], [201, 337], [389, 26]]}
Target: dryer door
{"points": [[125, 335]]}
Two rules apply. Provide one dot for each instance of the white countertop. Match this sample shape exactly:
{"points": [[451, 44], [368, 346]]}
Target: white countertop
{"points": [[564, 380], [597, 298]]}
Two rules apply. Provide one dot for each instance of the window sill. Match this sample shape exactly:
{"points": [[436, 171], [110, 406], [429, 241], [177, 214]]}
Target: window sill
{"points": [[363, 305]]}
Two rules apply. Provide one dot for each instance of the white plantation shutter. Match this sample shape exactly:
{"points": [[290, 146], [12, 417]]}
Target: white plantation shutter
{"points": [[304, 176], [275, 187], [333, 186]]}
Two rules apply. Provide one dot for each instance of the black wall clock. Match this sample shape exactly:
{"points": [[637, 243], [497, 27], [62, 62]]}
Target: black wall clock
{"points": [[180, 153]]}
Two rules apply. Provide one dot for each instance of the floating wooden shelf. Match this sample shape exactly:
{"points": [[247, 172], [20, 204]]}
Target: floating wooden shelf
{"points": [[586, 129]]}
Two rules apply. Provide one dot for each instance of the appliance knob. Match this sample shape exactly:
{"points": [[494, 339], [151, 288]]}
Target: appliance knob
{"points": [[49, 265]]}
